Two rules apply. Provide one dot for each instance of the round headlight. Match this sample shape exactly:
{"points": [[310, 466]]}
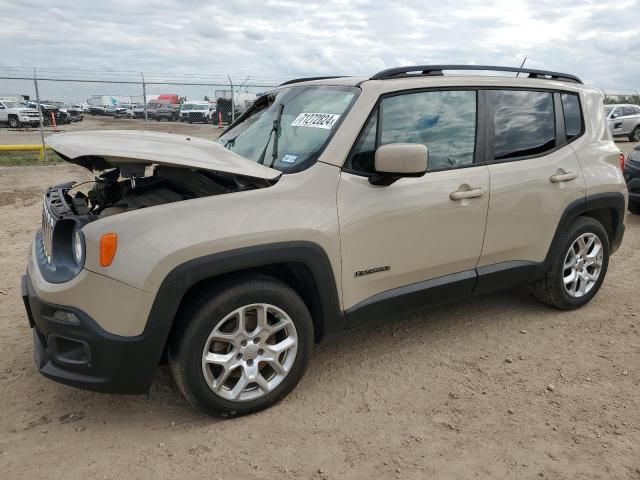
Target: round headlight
{"points": [[78, 247]]}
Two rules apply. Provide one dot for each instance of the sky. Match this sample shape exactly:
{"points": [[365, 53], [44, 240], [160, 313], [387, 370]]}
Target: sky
{"points": [[277, 39]]}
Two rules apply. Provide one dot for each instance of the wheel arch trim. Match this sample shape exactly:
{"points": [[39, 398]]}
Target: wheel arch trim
{"points": [[183, 277]]}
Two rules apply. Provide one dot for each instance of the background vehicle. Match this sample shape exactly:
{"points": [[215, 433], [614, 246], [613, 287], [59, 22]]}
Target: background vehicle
{"points": [[166, 111], [624, 121], [51, 112], [632, 176], [16, 114], [329, 204], [197, 112]]}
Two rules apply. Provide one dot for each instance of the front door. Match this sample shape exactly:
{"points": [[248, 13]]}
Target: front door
{"points": [[399, 241]]}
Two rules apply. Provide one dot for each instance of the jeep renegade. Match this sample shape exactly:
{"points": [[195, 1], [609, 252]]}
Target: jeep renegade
{"points": [[329, 203]]}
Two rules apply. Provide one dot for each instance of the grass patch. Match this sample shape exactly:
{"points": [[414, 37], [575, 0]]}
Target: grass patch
{"points": [[12, 159]]}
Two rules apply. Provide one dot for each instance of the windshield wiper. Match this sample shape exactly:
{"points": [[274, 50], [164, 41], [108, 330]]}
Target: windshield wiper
{"points": [[275, 129], [230, 143]]}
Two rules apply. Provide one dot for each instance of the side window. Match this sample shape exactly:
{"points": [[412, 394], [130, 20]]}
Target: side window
{"points": [[444, 121], [636, 110], [572, 115], [524, 123], [626, 111]]}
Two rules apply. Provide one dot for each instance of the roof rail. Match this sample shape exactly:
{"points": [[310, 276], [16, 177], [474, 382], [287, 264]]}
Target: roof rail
{"points": [[308, 79], [417, 70]]}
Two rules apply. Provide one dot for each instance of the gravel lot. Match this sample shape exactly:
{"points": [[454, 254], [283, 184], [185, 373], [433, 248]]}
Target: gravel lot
{"points": [[498, 386]]}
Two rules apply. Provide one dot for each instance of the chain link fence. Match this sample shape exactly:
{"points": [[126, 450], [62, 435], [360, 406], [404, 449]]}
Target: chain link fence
{"points": [[35, 104]]}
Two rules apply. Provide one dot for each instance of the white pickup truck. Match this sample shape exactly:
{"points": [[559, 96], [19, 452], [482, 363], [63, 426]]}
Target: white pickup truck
{"points": [[16, 114]]}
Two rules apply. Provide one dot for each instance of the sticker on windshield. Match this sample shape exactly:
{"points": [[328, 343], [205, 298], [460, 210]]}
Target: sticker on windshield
{"points": [[289, 158], [316, 120]]}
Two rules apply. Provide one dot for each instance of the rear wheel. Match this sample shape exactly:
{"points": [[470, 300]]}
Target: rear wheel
{"points": [[242, 346], [635, 135], [634, 207], [578, 266]]}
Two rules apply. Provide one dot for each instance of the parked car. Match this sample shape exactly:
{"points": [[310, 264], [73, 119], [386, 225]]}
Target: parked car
{"points": [[16, 114], [631, 168], [50, 113], [624, 121], [197, 112], [166, 111], [329, 204], [75, 113]]}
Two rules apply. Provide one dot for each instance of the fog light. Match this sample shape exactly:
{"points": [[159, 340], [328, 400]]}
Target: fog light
{"points": [[67, 317]]}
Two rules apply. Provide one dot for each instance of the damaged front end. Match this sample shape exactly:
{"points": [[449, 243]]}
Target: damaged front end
{"points": [[135, 170]]}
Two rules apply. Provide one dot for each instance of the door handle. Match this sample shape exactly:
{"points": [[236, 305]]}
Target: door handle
{"points": [[462, 194], [563, 177]]}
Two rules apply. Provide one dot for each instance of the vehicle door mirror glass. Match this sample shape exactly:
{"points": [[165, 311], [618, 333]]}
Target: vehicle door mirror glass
{"points": [[397, 160]]}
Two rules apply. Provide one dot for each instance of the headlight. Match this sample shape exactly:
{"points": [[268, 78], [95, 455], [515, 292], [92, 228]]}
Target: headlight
{"points": [[78, 247]]}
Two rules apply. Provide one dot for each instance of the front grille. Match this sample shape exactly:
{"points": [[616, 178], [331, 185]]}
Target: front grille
{"points": [[47, 230], [198, 116]]}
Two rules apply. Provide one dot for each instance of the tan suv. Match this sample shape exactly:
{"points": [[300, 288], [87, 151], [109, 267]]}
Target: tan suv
{"points": [[330, 203]]}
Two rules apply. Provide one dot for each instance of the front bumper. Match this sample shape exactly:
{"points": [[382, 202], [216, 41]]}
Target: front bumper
{"points": [[84, 355], [26, 119]]}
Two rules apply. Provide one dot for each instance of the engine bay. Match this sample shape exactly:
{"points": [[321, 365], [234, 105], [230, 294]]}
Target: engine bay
{"points": [[133, 187]]}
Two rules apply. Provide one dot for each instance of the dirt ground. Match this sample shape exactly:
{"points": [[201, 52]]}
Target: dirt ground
{"points": [[498, 386]]}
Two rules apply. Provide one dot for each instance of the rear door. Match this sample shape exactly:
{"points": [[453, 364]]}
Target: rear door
{"points": [[534, 176]]}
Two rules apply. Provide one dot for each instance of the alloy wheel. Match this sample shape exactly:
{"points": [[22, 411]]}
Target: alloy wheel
{"points": [[249, 352], [582, 265]]}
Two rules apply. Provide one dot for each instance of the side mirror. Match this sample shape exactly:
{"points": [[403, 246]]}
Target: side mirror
{"points": [[398, 160]]}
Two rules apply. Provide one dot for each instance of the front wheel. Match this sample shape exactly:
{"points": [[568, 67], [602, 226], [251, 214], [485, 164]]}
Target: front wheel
{"points": [[578, 265], [634, 207], [635, 135], [13, 122], [241, 347]]}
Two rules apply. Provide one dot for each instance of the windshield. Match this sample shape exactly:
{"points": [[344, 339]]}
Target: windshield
{"points": [[186, 107], [287, 129], [201, 107], [12, 105]]}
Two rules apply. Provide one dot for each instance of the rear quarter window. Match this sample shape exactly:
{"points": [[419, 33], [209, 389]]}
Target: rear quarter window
{"points": [[572, 115]]}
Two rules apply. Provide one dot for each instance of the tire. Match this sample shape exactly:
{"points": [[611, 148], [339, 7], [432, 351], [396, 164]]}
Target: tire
{"points": [[634, 207], [13, 121], [214, 310], [551, 289], [635, 135]]}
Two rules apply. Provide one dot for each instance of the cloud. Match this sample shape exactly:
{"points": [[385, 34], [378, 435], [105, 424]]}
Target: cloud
{"points": [[281, 38]]}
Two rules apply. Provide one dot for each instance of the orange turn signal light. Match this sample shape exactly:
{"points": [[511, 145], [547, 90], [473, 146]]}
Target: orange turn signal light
{"points": [[108, 248]]}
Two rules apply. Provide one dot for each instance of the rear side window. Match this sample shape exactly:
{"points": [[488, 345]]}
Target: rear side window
{"points": [[444, 121], [524, 123], [572, 115]]}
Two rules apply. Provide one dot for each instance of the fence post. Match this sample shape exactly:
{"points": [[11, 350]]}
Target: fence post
{"points": [[144, 101], [43, 155], [233, 102]]}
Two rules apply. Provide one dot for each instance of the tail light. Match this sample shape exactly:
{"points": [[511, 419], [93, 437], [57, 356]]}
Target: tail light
{"points": [[621, 161]]}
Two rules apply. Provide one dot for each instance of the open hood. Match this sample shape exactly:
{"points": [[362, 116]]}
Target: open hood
{"points": [[99, 150]]}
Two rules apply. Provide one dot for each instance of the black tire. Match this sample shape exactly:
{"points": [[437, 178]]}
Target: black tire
{"points": [[209, 307], [635, 135], [550, 288], [634, 207], [13, 121]]}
